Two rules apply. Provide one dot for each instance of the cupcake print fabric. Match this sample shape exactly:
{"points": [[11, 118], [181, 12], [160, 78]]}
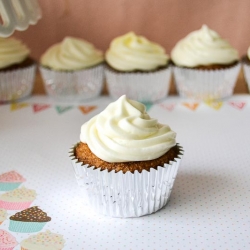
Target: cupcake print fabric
{"points": [[10, 180]]}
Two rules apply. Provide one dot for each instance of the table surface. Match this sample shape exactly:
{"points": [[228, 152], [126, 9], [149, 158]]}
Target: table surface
{"points": [[210, 201]]}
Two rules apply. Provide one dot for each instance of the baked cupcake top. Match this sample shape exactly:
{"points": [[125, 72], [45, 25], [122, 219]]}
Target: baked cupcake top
{"points": [[3, 214], [7, 240], [71, 54], [12, 51], [19, 195], [11, 176], [124, 132], [131, 52], [44, 241], [202, 48], [32, 214]]}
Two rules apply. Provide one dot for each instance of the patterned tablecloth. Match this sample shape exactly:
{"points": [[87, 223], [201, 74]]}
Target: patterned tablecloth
{"points": [[210, 202]]}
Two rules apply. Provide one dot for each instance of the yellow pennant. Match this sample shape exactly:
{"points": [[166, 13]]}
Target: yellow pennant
{"points": [[19, 105], [213, 104]]}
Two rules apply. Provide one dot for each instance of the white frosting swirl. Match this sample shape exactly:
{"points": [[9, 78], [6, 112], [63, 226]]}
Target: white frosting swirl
{"points": [[124, 132], [12, 51], [71, 54], [131, 52], [203, 47]]}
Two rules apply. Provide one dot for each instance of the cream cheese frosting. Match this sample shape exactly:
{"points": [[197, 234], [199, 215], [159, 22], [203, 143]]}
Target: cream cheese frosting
{"points": [[124, 132], [131, 52], [203, 47], [22, 194], [12, 51], [44, 241], [71, 54]]}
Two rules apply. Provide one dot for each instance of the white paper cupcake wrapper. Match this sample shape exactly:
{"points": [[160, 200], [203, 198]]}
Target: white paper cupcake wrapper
{"points": [[76, 85], [246, 70], [206, 84], [16, 84], [145, 87], [126, 195]]}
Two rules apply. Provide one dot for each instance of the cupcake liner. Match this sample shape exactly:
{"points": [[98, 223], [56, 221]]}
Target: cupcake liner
{"points": [[7, 186], [246, 70], [16, 84], [206, 84], [7, 248], [144, 87], [14, 205], [26, 227], [126, 195], [76, 85]]}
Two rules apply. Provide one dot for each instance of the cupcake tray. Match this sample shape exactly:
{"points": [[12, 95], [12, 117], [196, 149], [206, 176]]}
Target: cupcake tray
{"points": [[209, 203]]}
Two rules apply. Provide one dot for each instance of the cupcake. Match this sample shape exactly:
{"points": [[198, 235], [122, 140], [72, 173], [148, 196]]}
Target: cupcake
{"points": [[246, 67], [137, 68], [7, 241], [126, 161], [30, 220], [206, 66], [17, 199], [3, 215], [17, 70], [10, 180], [72, 70], [44, 241]]}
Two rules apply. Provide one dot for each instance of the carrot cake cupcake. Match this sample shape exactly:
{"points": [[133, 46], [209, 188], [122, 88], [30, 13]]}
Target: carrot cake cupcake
{"points": [[123, 156]]}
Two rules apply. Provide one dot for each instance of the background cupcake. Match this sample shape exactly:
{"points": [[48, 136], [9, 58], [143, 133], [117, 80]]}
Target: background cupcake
{"points": [[44, 240], [126, 161], [10, 180], [3, 215], [72, 70], [246, 67], [17, 70], [7, 241], [206, 66], [137, 68]]}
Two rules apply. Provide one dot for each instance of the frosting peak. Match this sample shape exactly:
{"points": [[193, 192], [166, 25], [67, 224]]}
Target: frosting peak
{"points": [[131, 52], [203, 47], [124, 132]]}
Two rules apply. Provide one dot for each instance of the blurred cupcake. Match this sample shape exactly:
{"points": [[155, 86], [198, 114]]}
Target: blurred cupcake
{"points": [[72, 70], [10, 180], [7, 240], [246, 67], [17, 70], [137, 68], [206, 66], [44, 241], [126, 161], [3, 215]]}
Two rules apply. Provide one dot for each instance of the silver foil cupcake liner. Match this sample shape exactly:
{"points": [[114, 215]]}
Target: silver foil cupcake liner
{"points": [[126, 195], [76, 85], [16, 84], [145, 87], [246, 71], [206, 85]]}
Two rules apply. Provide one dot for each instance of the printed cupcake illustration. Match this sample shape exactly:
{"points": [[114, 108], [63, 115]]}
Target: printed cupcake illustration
{"points": [[3, 215], [44, 241], [10, 180], [7, 241], [30, 220], [17, 199]]}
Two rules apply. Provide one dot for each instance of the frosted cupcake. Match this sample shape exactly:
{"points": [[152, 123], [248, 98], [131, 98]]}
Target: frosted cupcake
{"points": [[137, 68], [10, 180], [246, 67], [206, 65], [72, 70], [3, 215], [17, 199], [126, 161], [17, 70], [7, 241], [43, 241]]}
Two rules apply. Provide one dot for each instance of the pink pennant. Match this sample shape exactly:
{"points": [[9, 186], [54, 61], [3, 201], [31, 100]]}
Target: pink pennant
{"points": [[168, 107], [237, 105], [40, 107]]}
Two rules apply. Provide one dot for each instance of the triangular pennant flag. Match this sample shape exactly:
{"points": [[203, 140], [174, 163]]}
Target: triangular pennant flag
{"points": [[238, 105], [62, 109], [40, 107], [86, 109], [192, 106], [215, 105], [18, 105], [148, 106], [168, 106]]}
